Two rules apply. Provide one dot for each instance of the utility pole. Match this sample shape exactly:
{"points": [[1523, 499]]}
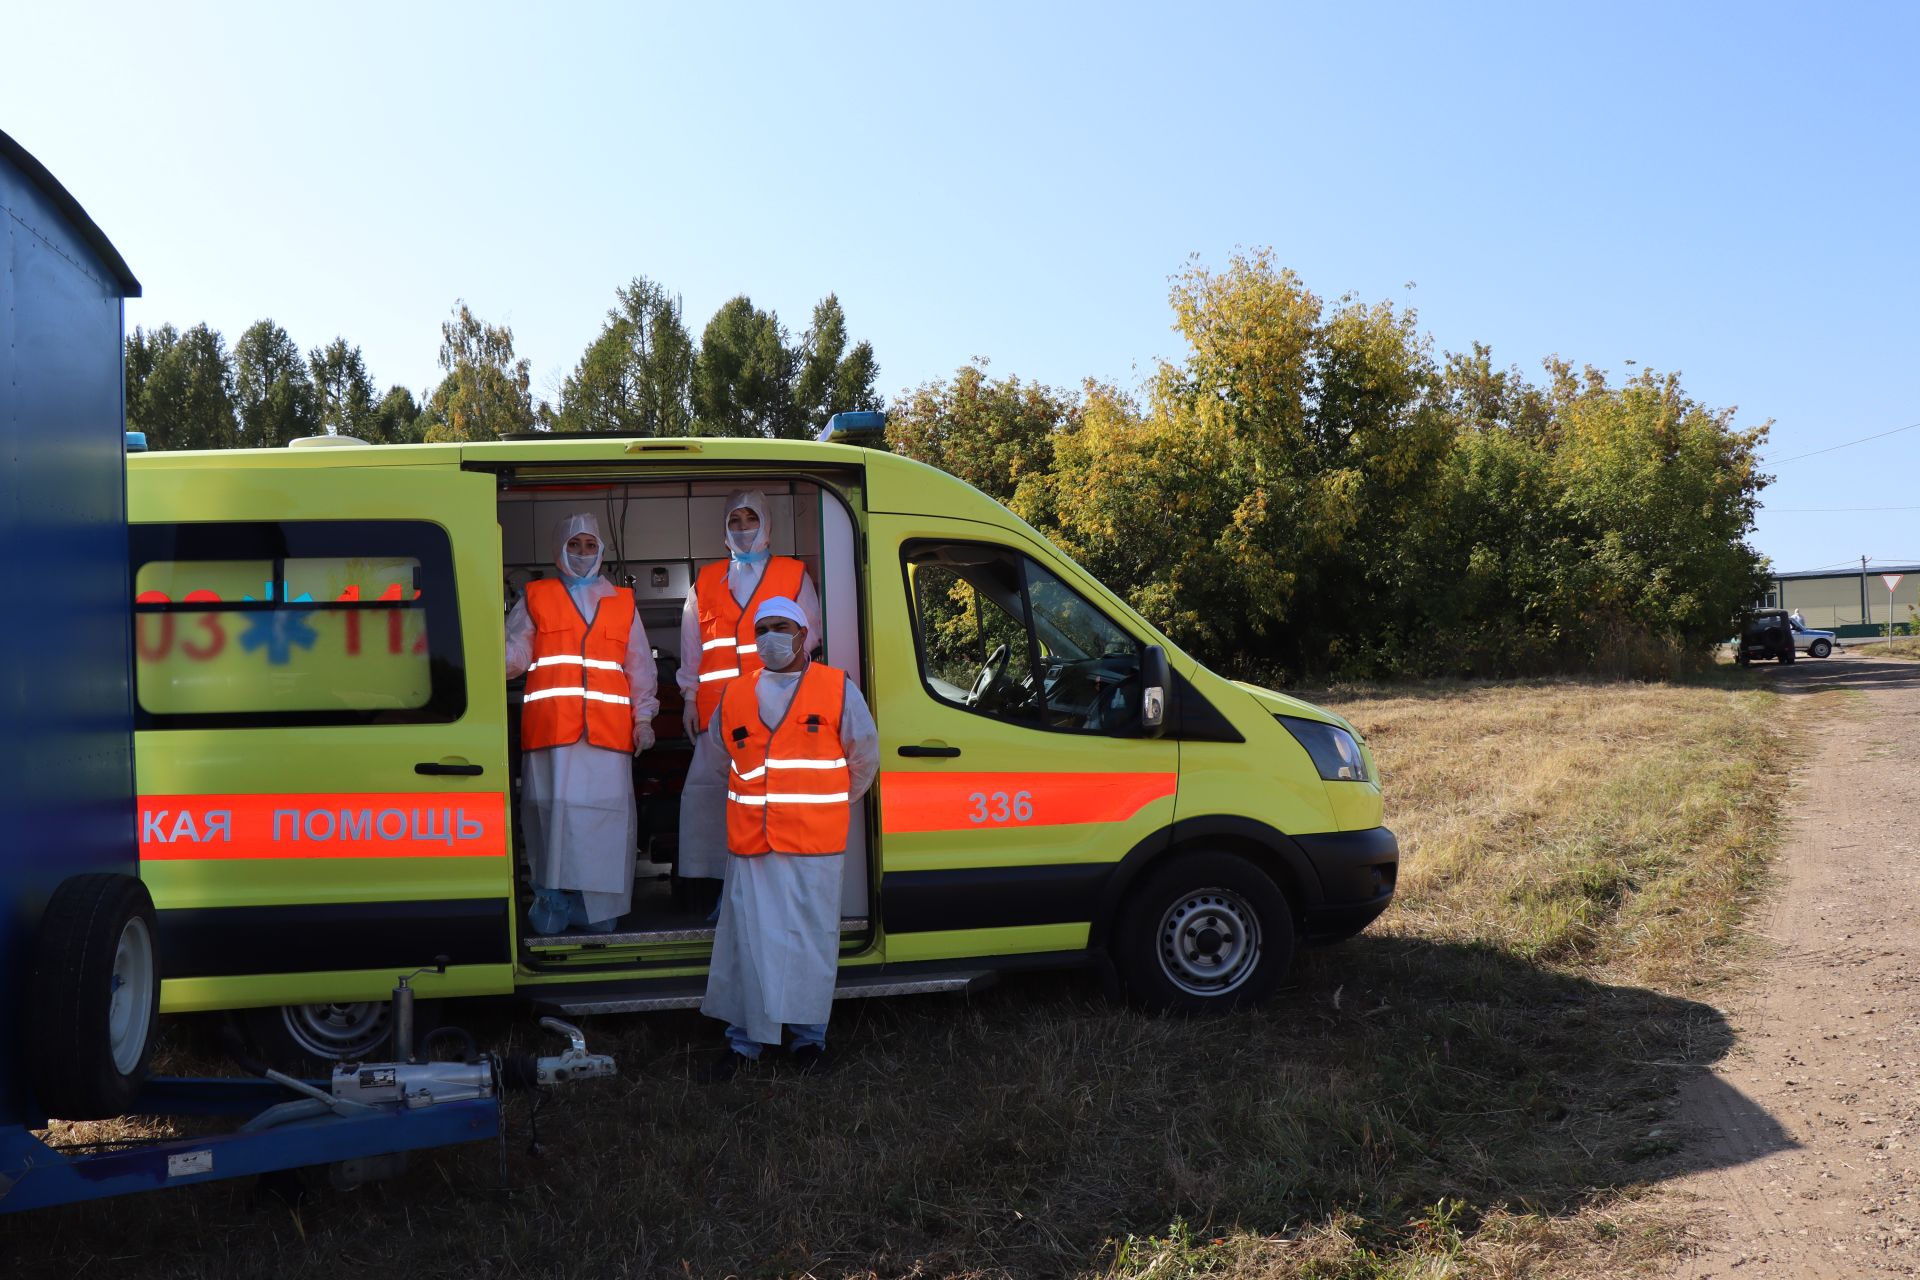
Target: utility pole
{"points": [[1866, 614]]}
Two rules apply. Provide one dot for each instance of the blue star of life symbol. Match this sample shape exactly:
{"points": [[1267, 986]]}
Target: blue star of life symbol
{"points": [[280, 630]]}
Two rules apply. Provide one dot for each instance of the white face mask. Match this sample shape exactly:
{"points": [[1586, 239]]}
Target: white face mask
{"points": [[581, 566], [741, 540], [776, 649]]}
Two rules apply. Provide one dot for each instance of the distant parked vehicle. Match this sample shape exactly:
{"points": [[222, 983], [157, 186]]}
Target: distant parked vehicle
{"points": [[1767, 634], [1815, 644]]}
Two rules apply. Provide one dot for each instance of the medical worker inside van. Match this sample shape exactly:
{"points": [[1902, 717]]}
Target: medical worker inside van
{"points": [[591, 696], [717, 647], [795, 747]]}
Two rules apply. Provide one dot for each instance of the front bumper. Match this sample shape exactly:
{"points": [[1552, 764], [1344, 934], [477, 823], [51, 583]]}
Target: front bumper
{"points": [[1357, 871]]}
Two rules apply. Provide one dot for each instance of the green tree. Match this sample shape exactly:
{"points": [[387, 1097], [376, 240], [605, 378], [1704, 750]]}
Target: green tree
{"points": [[829, 378], [636, 378], [398, 419], [486, 392], [273, 393], [179, 388], [343, 393], [997, 435], [1247, 507], [743, 376]]}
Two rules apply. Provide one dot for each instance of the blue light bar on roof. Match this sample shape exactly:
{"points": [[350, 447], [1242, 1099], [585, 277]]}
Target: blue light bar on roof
{"points": [[852, 427]]}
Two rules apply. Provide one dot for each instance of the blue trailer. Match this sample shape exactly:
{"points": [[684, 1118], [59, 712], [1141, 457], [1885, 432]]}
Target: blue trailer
{"points": [[79, 979]]}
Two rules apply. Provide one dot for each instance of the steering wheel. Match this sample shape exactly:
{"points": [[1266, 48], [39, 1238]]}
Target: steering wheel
{"points": [[990, 675]]}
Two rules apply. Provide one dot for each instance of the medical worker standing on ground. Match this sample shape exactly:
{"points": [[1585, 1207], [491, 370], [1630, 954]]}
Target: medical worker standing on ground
{"points": [[591, 697], [795, 747], [716, 647]]}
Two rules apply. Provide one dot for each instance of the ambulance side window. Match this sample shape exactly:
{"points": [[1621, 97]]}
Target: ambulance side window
{"points": [[290, 623], [1000, 636], [970, 622]]}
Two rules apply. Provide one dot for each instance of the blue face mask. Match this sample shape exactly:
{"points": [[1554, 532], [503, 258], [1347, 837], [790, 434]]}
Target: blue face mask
{"points": [[776, 649], [590, 565], [738, 540]]}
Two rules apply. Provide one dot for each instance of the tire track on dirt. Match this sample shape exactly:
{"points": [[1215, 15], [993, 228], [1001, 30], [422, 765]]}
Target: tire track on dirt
{"points": [[1802, 1142]]}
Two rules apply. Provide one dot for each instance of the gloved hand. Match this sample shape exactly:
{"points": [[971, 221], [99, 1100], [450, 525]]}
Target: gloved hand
{"points": [[690, 719], [642, 737]]}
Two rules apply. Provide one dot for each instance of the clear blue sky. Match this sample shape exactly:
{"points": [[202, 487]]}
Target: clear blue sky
{"points": [[1730, 190]]}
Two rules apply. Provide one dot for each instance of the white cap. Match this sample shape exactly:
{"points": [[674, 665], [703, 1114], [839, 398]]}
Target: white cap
{"points": [[779, 607]]}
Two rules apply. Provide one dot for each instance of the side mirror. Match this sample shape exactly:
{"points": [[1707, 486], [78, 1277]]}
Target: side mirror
{"points": [[1155, 680]]}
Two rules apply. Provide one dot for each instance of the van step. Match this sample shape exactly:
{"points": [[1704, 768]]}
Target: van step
{"points": [[640, 937], [687, 993]]}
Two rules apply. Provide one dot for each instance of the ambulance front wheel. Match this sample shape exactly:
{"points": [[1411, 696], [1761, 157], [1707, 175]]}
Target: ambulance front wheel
{"points": [[93, 997], [1205, 933]]}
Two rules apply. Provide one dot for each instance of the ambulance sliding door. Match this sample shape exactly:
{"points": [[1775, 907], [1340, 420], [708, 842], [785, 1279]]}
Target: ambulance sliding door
{"points": [[1014, 771], [321, 752]]}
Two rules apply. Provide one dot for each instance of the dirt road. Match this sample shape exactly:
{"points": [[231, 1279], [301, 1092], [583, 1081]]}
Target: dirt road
{"points": [[1806, 1137]]}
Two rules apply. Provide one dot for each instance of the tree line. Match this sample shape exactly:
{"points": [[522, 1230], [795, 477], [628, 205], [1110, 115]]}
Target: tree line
{"points": [[643, 374], [1311, 492]]}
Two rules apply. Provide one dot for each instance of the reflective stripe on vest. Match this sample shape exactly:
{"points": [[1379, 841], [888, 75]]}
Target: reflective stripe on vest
{"points": [[787, 787], [726, 626], [577, 682]]}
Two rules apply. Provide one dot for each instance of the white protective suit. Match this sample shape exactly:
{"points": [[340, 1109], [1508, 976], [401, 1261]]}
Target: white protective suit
{"points": [[776, 953], [703, 804], [577, 805]]}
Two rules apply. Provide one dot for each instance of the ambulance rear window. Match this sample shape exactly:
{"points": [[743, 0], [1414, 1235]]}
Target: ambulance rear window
{"points": [[272, 623]]}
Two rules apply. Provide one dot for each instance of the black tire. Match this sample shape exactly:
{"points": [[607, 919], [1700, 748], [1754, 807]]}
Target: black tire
{"points": [[93, 997], [1204, 933], [311, 1039], [1819, 649]]}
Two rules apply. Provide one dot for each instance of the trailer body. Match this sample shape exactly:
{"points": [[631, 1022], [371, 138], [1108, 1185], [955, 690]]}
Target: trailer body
{"points": [[66, 708]]}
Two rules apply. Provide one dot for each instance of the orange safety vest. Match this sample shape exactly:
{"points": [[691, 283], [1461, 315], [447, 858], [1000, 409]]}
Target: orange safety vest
{"points": [[787, 787], [726, 626], [577, 684]]}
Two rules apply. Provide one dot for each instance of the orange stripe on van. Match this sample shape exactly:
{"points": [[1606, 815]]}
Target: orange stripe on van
{"points": [[377, 824], [911, 802]]}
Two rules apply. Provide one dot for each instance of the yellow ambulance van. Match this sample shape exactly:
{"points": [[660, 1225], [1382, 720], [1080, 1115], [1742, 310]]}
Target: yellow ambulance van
{"points": [[327, 743]]}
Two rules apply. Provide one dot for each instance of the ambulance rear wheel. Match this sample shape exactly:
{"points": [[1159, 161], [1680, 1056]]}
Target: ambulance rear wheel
{"points": [[308, 1039], [93, 997], [1205, 933]]}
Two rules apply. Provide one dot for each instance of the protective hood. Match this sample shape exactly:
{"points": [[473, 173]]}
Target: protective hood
{"points": [[565, 528], [757, 501]]}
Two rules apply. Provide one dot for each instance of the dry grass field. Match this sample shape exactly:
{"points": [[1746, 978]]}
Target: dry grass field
{"points": [[1474, 1087]]}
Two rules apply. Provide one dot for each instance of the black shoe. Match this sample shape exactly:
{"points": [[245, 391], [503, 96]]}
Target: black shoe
{"points": [[810, 1060], [722, 1067]]}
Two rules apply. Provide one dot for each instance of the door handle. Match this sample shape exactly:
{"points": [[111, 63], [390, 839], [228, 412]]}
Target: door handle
{"points": [[434, 768], [925, 751]]}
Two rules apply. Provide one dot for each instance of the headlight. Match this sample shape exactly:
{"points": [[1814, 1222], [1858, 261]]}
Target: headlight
{"points": [[1335, 754]]}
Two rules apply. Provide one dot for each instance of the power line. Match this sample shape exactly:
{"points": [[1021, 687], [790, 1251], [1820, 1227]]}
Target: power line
{"points": [[1846, 445]]}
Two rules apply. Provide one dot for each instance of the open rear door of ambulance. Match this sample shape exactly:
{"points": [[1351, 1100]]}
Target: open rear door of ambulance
{"points": [[321, 748]]}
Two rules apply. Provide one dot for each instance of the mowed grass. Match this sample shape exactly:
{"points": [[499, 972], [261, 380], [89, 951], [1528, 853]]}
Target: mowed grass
{"points": [[1476, 1086]]}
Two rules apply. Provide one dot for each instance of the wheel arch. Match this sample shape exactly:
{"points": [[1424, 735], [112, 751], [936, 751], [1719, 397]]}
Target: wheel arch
{"points": [[1268, 848]]}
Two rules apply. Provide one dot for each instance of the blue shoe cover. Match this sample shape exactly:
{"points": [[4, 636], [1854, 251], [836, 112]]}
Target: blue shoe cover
{"points": [[548, 914]]}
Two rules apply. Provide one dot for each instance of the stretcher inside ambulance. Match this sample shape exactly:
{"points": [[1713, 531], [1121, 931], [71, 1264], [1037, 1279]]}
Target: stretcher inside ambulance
{"points": [[330, 758]]}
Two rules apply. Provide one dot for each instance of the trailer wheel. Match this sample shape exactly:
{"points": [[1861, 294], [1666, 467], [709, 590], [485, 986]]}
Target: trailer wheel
{"points": [[93, 997], [1205, 933]]}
